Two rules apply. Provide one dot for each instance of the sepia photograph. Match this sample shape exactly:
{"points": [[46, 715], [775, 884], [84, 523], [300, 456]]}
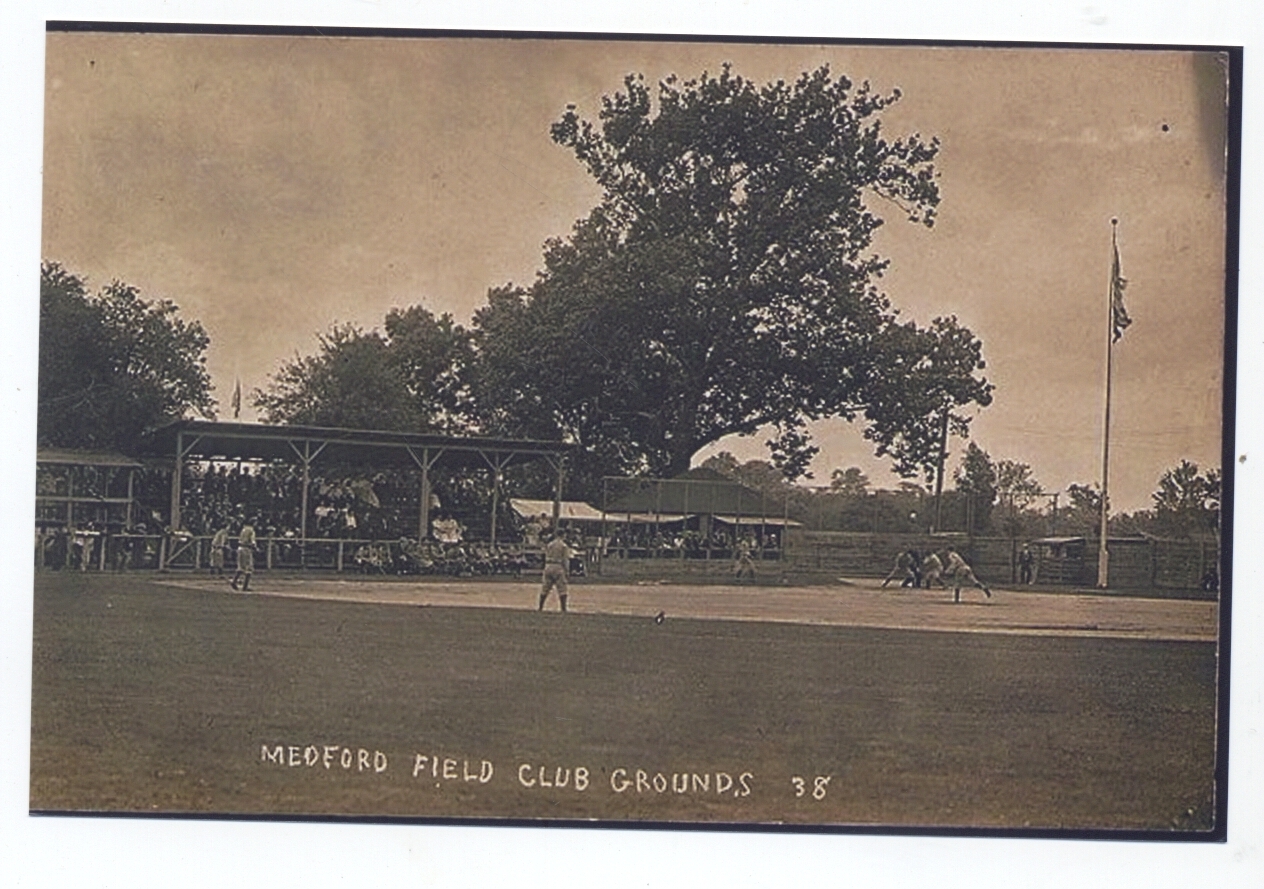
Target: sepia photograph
{"points": [[557, 429]]}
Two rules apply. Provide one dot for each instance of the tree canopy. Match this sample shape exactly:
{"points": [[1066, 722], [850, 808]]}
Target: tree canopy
{"points": [[930, 374], [976, 479], [113, 365], [725, 283], [1186, 505], [409, 379], [1187, 502], [850, 482]]}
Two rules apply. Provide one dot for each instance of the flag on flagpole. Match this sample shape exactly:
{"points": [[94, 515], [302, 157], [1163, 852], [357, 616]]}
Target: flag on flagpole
{"points": [[1118, 314], [237, 400]]}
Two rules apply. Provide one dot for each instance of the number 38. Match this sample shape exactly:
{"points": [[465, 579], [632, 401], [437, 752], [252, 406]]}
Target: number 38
{"points": [[819, 783]]}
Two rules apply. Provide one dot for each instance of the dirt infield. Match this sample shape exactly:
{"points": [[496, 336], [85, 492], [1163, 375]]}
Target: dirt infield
{"points": [[783, 705], [850, 603]]}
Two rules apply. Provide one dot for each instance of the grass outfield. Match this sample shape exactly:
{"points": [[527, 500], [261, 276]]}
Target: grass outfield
{"points": [[152, 698]]}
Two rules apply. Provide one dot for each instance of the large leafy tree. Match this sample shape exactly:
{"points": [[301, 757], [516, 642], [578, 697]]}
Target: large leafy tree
{"points": [[352, 381], [976, 479], [914, 406], [1016, 490], [723, 284], [409, 379], [1083, 513], [113, 365], [1187, 503]]}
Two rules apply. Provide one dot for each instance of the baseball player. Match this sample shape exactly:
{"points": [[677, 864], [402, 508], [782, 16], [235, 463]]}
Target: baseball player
{"points": [[557, 557], [744, 564], [219, 542], [245, 556], [906, 567], [961, 573], [933, 571]]}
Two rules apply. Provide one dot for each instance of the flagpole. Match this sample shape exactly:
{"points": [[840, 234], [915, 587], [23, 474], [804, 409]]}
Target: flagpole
{"points": [[1103, 556]]}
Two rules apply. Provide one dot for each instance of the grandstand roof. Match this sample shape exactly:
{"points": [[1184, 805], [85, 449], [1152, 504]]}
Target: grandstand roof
{"points": [[70, 457], [688, 495], [218, 440]]}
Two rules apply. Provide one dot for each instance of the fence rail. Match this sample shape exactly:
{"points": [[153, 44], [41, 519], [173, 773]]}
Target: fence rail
{"points": [[1152, 563], [87, 551]]}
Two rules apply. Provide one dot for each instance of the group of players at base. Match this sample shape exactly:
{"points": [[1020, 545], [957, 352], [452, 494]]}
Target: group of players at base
{"points": [[922, 571]]}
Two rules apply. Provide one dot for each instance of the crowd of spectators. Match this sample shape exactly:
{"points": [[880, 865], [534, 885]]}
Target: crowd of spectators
{"points": [[369, 506], [376, 517], [688, 543]]}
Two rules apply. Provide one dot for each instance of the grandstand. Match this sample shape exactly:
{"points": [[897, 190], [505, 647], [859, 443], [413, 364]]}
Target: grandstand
{"points": [[316, 495], [383, 502]]}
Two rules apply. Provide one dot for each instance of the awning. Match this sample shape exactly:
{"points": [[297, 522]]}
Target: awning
{"points": [[757, 520], [576, 510]]}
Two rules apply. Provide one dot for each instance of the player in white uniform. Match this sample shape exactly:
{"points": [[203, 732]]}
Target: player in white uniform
{"points": [[956, 568], [557, 558], [219, 543], [245, 556], [743, 564], [933, 571]]}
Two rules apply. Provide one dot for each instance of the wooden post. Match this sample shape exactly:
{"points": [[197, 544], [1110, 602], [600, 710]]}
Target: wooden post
{"points": [[763, 521], [496, 505], [131, 482], [423, 522], [307, 462], [785, 525], [557, 494], [175, 482], [605, 531], [658, 508], [495, 502]]}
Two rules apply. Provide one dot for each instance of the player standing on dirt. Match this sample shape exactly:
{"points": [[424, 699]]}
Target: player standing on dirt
{"points": [[219, 542], [245, 556], [743, 564], [961, 573], [933, 571], [557, 557], [906, 567]]}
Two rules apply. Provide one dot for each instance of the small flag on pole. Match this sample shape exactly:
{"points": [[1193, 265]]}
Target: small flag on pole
{"points": [[1118, 314], [237, 396]]}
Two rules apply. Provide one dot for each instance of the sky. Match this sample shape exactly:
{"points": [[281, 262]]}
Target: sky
{"points": [[273, 186]]}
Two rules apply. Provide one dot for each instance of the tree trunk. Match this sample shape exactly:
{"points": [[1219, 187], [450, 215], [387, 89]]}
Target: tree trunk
{"points": [[679, 463]]}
